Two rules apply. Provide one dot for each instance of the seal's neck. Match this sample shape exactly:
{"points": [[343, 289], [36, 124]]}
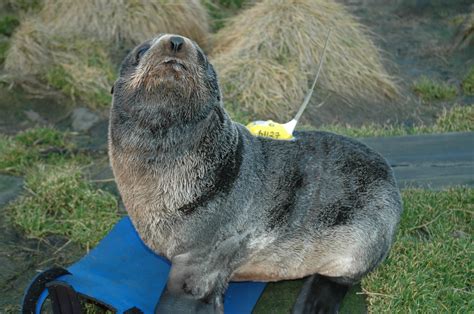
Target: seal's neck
{"points": [[180, 163], [162, 131]]}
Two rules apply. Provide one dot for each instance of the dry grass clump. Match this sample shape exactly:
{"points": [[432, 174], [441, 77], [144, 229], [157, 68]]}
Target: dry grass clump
{"points": [[257, 86], [464, 35], [127, 21], [28, 53], [68, 45], [79, 67], [290, 35]]}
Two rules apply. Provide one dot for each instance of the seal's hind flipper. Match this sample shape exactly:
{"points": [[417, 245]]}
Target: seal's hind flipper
{"points": [[321, 295]]}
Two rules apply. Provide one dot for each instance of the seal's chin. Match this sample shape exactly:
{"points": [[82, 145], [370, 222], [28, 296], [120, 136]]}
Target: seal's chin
{"points": [[167, 78], [169, 70]]}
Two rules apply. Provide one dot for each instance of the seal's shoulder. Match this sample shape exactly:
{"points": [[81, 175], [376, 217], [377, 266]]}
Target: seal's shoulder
{"points": [[334, 140], [319, 144]]}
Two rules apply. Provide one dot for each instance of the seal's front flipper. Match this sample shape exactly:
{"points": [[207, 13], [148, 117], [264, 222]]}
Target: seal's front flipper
{"points": [[321, 295]]}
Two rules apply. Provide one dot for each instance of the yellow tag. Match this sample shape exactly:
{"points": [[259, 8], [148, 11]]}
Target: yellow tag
{"points": [[269, 129]]}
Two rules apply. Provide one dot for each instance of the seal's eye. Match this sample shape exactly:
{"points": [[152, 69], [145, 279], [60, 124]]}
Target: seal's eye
{"points": [[140, 53]]}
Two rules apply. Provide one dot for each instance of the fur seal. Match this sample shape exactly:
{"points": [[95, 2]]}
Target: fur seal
{"points": [[222, 204]]}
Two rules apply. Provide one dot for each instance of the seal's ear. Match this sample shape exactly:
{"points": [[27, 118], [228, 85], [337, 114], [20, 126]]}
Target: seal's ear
{"points": [[112, 89]]}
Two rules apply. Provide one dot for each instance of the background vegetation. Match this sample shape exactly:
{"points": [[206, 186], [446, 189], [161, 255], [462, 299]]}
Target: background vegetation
{"points": [[71, 47]]}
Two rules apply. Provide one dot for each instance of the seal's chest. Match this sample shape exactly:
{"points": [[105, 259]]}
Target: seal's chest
{"points": [[156, 234], [152, 194]]}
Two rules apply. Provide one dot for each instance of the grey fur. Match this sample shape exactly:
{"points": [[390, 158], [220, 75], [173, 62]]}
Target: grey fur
{"points": [[222, 204]]}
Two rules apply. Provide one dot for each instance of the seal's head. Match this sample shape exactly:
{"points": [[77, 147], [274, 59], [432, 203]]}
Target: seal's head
{"points": [[170, 75]]}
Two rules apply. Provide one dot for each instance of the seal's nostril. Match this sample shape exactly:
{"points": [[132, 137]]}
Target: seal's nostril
{"points": [[177, 43]]}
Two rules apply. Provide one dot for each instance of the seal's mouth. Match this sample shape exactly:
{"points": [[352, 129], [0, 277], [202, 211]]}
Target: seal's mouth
{"points": [[175, 63]]}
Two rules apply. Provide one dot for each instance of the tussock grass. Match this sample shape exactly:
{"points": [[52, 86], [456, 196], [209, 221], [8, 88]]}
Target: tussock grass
{"points": [[82, 69], [465, 33], [221, 10], [59, 201], [126, 21], [29, 53], [21, 152], [430, 90], [68, 45], [267, 54], [456, 119], [260, 88], [430, 267]]}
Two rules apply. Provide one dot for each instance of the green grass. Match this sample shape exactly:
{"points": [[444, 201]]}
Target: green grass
{"points": [[58, 78], [456, 119], [8, 23], [220, 10], [62, 79], [19, 153], [60, 201], [468, 82], [430, 90], [430, 267]]}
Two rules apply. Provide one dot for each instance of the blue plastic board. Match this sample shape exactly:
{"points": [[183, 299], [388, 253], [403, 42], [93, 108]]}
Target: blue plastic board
{"points": [[122, 272]]}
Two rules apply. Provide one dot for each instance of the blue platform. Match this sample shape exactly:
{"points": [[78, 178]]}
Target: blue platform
{"points": [[122, 273]]}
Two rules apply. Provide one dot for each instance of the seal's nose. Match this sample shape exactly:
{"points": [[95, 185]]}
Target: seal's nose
{"points": [[176, 43]]}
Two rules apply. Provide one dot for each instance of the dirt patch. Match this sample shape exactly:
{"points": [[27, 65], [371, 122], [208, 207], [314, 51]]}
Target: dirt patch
{"points": [[417, 37]]}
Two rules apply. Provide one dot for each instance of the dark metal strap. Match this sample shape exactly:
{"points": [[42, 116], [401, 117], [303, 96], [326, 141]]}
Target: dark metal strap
{"points": [[64, 299], [133, 310], [37, 287]]}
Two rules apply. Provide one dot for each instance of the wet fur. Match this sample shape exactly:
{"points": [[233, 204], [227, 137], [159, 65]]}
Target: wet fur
{"points": [[222, 204]]}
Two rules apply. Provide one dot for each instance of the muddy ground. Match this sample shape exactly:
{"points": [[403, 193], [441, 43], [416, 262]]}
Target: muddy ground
{"points": [[417, 37]]}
